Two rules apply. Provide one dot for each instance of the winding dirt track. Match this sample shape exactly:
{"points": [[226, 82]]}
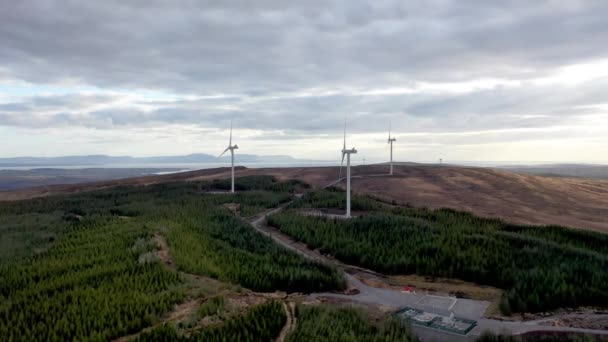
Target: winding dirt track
{"points": [[290, 323]]}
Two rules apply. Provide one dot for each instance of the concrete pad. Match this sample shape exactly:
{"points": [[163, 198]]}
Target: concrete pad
{"points": [[437, 302], [469, 308]]}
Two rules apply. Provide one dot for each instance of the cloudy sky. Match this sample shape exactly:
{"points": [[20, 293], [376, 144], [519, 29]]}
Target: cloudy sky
{"points": [[463, 80]]}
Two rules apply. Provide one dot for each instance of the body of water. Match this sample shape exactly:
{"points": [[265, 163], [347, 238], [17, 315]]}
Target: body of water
{"points": [[180, 166]]}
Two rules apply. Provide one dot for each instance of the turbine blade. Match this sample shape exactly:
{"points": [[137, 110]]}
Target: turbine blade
{"points": [[341, 164], [230, 142], [344, 145], [226, 150]]}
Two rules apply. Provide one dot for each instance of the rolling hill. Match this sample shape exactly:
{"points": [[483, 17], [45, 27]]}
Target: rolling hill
{"points": [[517, 198]]}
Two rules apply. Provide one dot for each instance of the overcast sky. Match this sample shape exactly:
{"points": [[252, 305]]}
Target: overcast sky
{"points": [[462, 80]]}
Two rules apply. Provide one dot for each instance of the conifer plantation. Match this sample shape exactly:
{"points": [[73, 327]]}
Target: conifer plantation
{"points": [[261, 323], [85, 266], [323, 323], [541, 268]]}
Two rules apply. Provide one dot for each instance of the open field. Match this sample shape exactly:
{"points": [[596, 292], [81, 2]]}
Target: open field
{"points": [[562, 170], [64, 189], [525, 199]]}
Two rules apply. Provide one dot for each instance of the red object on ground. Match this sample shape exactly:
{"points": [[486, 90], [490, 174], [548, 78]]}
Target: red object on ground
{"points": [[408, 289]]}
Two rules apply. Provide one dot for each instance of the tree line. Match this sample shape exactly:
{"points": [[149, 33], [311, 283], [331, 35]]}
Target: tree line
{"points": [[91, 271], [322, 323], [261, 323], [211, 241], [90, 285], [541, 268]]}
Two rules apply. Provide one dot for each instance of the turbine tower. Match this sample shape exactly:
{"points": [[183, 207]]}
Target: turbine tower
{"points": [[391, 141], [346, 153], [231, 148]]}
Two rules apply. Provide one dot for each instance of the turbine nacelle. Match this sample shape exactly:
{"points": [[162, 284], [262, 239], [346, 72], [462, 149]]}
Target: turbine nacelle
{"points": [[390, 142]]}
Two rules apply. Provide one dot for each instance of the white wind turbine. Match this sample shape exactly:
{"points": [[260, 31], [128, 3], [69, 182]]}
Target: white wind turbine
{"points": [[391, 141], [231, 148], [346, 153]]}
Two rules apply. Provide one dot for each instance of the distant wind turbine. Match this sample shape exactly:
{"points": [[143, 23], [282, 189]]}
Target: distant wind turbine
{"points": [[231, 148], [391, 141], [346, 153]]}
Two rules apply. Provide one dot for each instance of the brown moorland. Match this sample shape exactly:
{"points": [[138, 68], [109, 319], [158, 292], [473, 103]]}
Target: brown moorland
{"points": [[517, 198]]}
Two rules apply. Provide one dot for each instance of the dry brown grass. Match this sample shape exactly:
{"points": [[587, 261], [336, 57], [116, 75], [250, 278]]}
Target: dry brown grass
{"points": [[517, 198]]}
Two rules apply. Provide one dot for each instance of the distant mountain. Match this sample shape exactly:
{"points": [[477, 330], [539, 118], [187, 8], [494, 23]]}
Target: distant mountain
{"points": [[67, 160], [104, 159]]}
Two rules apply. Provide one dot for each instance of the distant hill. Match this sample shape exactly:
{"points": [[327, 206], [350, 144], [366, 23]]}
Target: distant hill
{"points": [[593, 171], [22, 179], [119, 160], [517, 198]]}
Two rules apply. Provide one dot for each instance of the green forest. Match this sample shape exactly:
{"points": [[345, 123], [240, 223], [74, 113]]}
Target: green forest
{"points": [[262, 323], [84, 266], [90, 284], [321, 323], [541, 268]]}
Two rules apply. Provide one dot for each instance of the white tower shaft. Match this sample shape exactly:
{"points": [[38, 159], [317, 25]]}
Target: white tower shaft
{"points": [[232, 162], [231, 148], [390, 141], [391, 157], [346, 153], [348, 185]]}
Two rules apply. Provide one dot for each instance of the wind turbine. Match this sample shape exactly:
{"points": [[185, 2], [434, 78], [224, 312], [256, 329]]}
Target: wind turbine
{"points": [[231, 148], [346, 153], [391, 141]]}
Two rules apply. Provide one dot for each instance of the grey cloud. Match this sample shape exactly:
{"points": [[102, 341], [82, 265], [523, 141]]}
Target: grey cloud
{"points": [[57, 101], [261, 58], [503, 107], [270, 46]]}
